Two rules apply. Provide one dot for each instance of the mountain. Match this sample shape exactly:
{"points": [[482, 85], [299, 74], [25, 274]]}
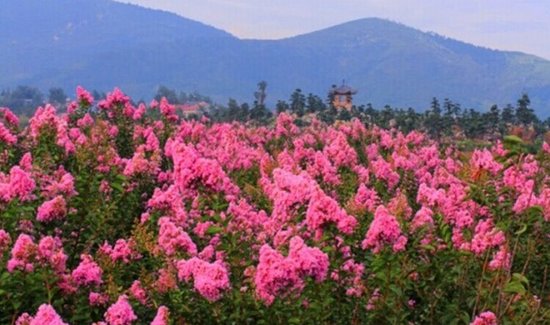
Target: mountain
{"points": [[101, 44]]}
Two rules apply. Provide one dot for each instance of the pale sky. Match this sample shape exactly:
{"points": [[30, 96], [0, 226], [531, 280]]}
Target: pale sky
{"points": [[519, 25]]}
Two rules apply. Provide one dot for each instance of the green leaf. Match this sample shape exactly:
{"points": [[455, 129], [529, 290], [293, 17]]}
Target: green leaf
{"points": [[212, 230], [117, 186], [465, 317], [514, 287], [512, 140], [521, 278], [521, 230]]}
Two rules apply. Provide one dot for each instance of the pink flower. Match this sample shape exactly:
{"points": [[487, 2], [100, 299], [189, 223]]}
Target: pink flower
{"points": [[84, 96], [165, 282], [422, 218], [26, 162], [87, 272], [209, 279], [51, 210], [114, 98], [322, 209], [169, 111], [192, 170], [120, 313], [501, 259], [22, 254], [45, 315], [122, 251], [171, 238], [486, 236], [137, 291], [61, 183], [10, 118], [366, 198], [24, 319], [162, 316], [6, 136], [5, 240], [278, 275], [339, 151], [284, 125], [311, 261], [383, 170], [20, 185], [201, 228], [85, 121], [371, 305], [50, 250], [46, 122], [483, 159], [97, 299], [384, 229], [485, 318]]}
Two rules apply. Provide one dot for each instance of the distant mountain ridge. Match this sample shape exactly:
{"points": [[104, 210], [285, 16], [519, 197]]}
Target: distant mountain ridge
{"points": [[101, 44]]}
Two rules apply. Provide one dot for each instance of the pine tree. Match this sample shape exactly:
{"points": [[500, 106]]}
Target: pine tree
{"points": [[433, 122], [57, 96], [492, 119], [298, 103], [524, 113], [281, 106]]}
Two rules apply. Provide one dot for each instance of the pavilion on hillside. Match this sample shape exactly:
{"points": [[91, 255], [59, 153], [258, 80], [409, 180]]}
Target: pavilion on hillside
{"points": [[342, 97]]}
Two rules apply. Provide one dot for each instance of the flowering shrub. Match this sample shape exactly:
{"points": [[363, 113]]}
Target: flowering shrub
{"points": [[124, 214]]}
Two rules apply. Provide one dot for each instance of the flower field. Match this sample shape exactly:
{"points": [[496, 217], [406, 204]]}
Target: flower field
{"points": [[116, 214]]}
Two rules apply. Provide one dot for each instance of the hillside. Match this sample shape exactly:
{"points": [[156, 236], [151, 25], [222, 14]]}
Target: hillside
{"points": [[101, 44]]}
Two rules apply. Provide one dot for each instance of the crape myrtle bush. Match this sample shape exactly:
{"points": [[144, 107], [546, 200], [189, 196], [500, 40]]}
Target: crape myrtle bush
{"points": [[115, 214]]}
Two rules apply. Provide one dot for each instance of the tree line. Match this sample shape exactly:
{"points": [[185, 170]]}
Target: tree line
{"points": [[441, 119]]}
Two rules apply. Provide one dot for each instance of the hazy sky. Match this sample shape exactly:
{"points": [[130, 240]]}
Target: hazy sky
{"points": [[522, 25]]}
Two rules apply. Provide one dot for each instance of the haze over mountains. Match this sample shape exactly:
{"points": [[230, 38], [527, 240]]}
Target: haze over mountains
{"points": [[101, 44]]}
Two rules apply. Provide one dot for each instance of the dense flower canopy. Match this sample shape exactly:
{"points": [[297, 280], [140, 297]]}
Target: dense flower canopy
{"points": [[126, 214]]}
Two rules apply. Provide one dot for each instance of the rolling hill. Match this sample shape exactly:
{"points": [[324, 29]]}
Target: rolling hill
{"points": [[101, 44]]}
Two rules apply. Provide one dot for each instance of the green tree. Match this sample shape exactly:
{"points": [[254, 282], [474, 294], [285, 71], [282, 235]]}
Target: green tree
{"points": [[433, 121], [524, 113], [234, 111], [261, 93], [450, 115], [169, 94], [314, 104], [259, 112], [22, 100], [298, 103], [57, 96], [281, 106], [492, 119]]}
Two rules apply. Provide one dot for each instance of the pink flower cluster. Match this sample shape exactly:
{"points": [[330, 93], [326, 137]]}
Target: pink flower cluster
{"points": [[51, 210], [45, 122], [190, 169], [87, 272], [209, 279], [123, 250], [277, 275], [172, 238], [18, 184], [45, 315], [485, 318], [383, 230], [120, 313], [84, 96]]}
